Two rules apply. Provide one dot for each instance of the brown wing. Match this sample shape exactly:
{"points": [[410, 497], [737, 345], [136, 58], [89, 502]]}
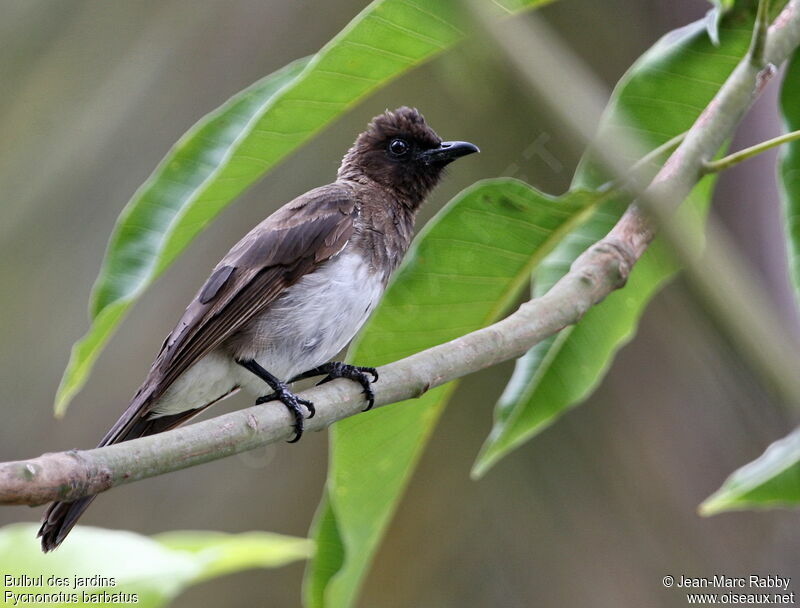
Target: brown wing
{"points": [[290, 243]]}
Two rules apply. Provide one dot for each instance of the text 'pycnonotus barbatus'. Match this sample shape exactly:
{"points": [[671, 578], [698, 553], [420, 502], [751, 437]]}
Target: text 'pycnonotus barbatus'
{"points": [[292, 293]]}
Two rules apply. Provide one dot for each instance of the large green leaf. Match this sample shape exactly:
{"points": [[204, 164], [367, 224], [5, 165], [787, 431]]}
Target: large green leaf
{"points": [[463, 272], [772, 480], [149, 222], [789, 169], [660, 97], [235, 145], [154, 569]]}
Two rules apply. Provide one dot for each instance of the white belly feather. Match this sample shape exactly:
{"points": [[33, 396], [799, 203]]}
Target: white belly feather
{"points": [[306, 326], [312, 321]]}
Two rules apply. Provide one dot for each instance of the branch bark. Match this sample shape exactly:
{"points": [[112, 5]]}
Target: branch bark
{"points": [[603, 268]]}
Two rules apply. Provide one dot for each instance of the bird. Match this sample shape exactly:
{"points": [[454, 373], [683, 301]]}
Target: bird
{"points": [[291, 294]]}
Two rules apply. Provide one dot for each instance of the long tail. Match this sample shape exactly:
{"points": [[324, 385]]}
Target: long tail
{"points": [[61, 516], [59, 519]]}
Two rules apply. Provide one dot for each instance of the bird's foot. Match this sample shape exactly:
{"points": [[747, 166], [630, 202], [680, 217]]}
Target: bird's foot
{"points": [[337, 369], [292, 403], [282, 394]]}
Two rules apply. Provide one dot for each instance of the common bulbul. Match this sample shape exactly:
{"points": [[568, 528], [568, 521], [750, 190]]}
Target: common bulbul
{"points": [[292, 293]]}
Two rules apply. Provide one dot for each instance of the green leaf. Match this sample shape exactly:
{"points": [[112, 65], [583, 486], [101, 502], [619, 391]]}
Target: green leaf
{"points": [[789, 169], [661, 96], [329, 557], [155, 569], [220, 553], [232, 147], [772, 480], [464, 271], [166, 212]]}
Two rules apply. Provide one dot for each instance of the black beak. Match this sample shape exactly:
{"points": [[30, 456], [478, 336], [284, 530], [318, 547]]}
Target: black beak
{"points": [[447, 152]]}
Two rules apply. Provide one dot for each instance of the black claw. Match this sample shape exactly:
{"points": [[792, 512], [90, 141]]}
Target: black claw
{"points": [[370, 398], [293, 403], [337, 369], [298, 432], [282, 394], [312, 411], [358, 374]]}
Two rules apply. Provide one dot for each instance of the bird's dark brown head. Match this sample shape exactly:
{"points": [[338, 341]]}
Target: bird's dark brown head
{"points": [[401, 152]]}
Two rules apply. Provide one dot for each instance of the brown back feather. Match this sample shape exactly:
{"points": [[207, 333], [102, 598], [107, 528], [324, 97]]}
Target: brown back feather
{"points": [[289, 244]]}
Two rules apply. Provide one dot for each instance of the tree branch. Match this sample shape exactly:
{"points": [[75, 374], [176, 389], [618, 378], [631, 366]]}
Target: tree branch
{"points": [[724, 282], [603, 268]]}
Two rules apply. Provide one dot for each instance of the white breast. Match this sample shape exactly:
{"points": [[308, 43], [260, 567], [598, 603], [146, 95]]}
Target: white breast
{"points": [[306, 326], [312, 321]]}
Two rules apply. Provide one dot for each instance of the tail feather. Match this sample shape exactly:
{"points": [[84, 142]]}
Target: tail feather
{"points": [[59, 519], [61, 516]]}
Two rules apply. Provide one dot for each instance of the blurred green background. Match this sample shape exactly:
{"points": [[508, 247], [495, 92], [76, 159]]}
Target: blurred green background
{"points": [[594, 512]]}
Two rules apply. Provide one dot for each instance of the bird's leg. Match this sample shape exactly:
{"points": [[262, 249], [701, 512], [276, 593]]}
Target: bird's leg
{"points": [[337, 369], [282, 394]]}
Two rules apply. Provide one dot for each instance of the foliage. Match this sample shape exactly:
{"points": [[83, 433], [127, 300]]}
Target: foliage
{"points": [[486, 244], [789, 170], [228, 150], [561, 372], [714, 16], [96, 561], [772, 480], [458, 277]]}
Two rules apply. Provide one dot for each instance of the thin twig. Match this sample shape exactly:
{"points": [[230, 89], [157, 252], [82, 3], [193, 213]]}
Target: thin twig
{"points": [[758, 44], [652, 156], [729, 161]]}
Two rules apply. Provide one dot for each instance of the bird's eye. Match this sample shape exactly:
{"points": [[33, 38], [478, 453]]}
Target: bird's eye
{"points": [[398, 147]]}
